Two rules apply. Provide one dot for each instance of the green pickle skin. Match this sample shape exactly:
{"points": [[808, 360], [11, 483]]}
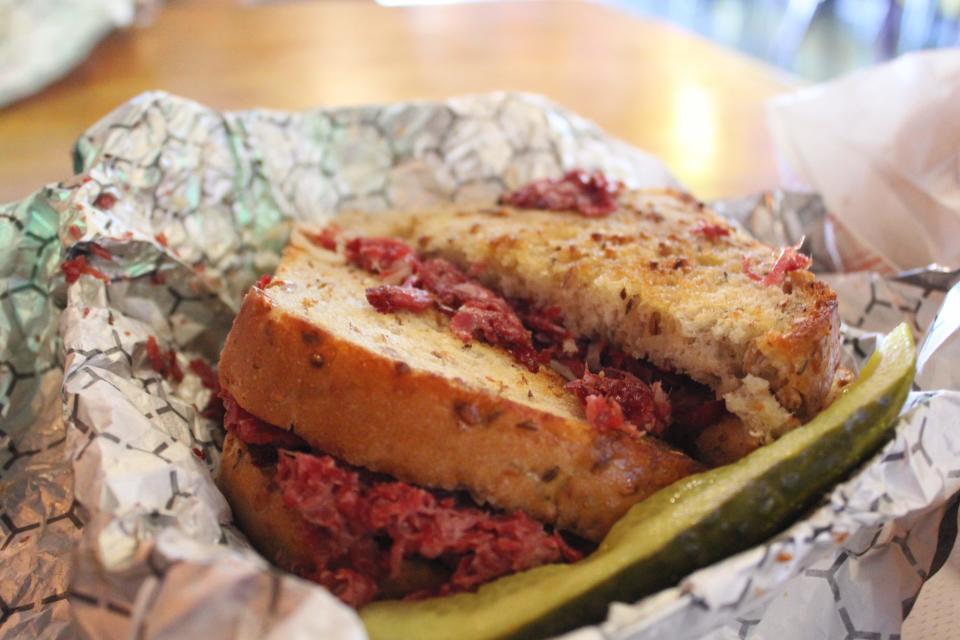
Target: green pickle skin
{"points": [[690, 524]]}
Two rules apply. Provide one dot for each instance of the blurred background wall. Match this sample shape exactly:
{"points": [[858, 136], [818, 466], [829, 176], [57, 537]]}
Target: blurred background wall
{"points": [[817, 39]]}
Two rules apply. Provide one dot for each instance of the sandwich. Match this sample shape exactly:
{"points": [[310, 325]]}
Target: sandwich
{"points": [[418, 403]]}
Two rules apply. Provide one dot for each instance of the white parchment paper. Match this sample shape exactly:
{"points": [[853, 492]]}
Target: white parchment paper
{"points": [[882, 146]]}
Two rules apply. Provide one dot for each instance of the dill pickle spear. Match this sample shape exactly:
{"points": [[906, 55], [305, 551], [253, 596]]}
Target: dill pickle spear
{"points": [[690, 524]]}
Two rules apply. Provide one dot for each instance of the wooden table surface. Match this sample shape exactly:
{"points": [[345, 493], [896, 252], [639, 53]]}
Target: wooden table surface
{"points": [[696, 105]]}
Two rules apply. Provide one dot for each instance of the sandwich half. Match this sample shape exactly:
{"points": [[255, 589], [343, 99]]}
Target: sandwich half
{"points": [[660, 276], [421, 402]]}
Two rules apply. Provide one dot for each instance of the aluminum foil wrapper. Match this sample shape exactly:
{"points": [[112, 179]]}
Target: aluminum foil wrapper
{"points": [[41, 40], [111, 524]]}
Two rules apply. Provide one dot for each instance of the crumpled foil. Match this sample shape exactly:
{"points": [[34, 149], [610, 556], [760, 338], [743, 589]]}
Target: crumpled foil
{"points": [[111, 524], [41, 40]]}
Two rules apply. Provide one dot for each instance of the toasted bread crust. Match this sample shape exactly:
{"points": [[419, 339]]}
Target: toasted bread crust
{"points": [[367, 388], [276, 531], [803, 360], [648, 280]]}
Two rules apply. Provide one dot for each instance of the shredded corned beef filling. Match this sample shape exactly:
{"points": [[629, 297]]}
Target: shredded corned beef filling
{"points": [[214, 408], [618, 392], [590, 194], [362, 527], [789, 259], [495, 322], [326, 238], [636, 405], [167, 365], [622, 393], [389, 298], [353, 516], [415, 285], [253, 430], [476, 310], [379, 255], [711, 231], [164, 362], [78, 266]]}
